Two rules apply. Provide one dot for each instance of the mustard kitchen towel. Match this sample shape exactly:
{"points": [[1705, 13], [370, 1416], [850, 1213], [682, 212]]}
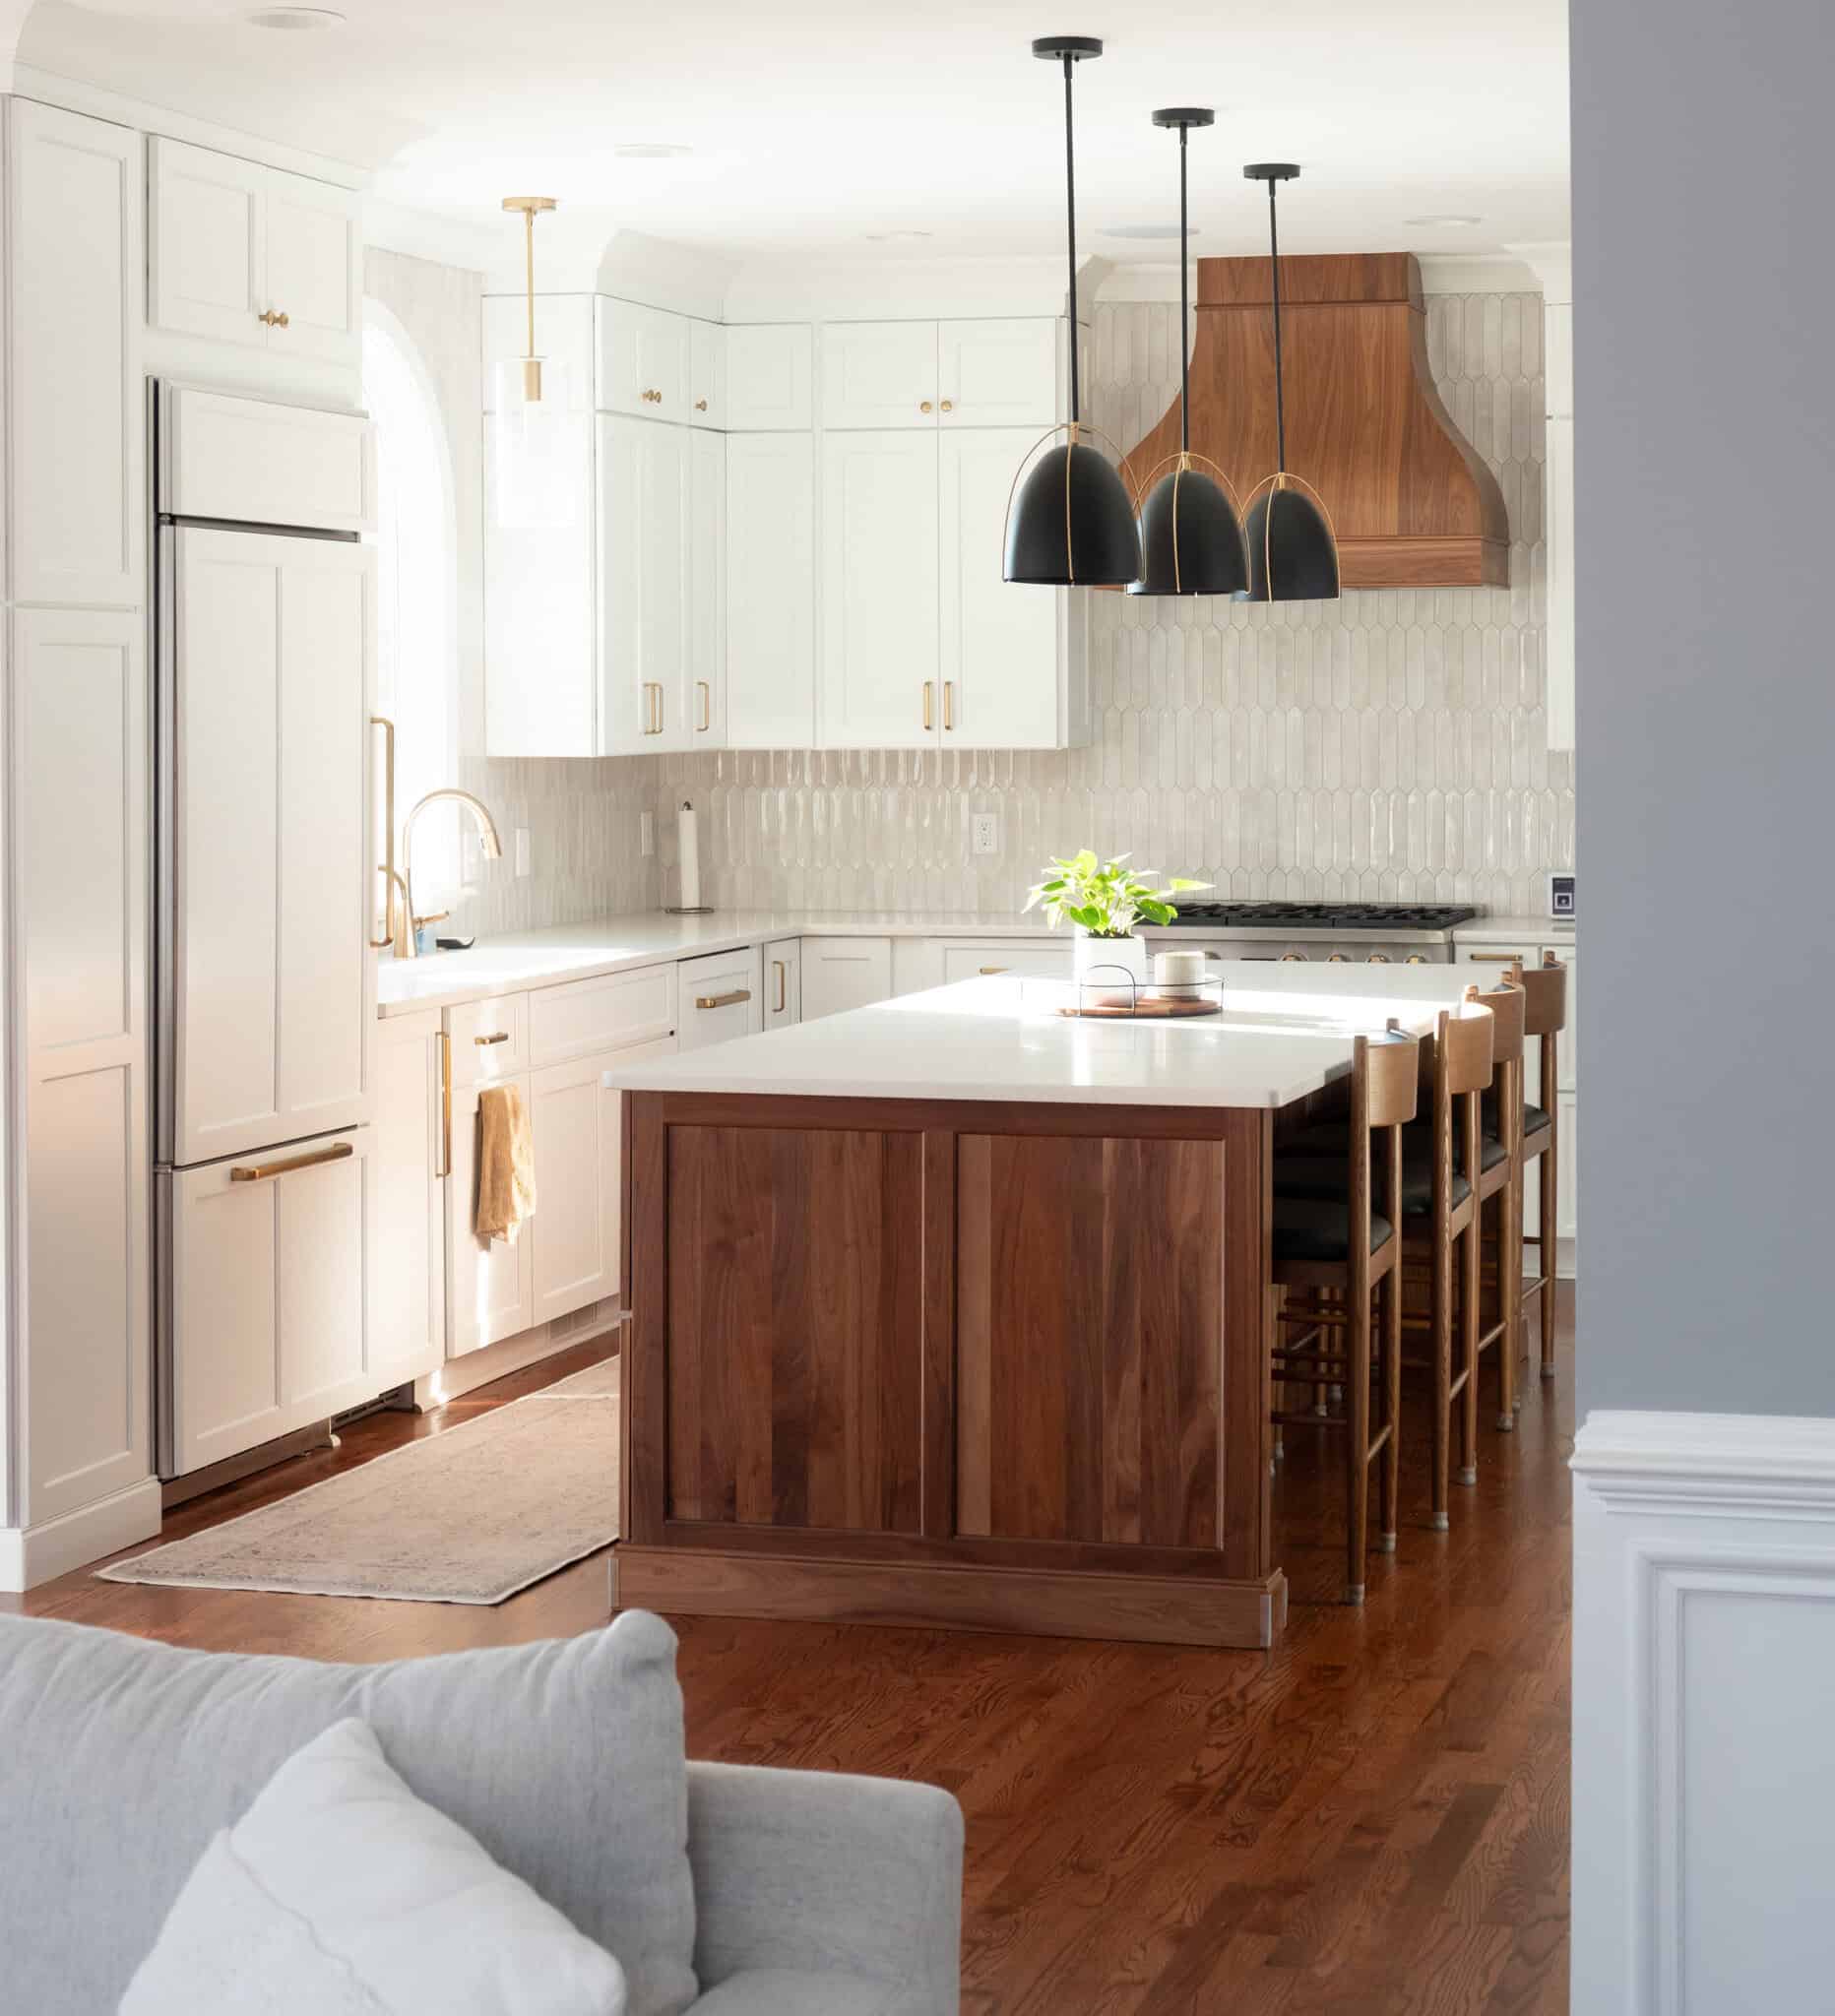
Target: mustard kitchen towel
{"points": [[506, 1164]]}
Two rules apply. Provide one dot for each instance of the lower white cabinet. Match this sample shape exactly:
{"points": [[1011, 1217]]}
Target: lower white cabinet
{"points": [[268, 1287], [1047, 959], [783, 982], [1566, 1182], [407, 1269], [722, 996], [491, 1285], [845, 973]]}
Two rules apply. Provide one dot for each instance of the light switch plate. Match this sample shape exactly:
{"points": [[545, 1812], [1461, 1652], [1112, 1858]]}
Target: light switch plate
{"points": [[1561, 897], [984, 833]]}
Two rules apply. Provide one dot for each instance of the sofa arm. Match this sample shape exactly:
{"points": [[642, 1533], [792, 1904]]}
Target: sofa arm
{"points": [[824, 1873]]}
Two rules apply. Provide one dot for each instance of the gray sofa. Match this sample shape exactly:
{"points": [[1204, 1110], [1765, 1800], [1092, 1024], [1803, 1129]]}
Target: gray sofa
{"points": [[724, 1890]]}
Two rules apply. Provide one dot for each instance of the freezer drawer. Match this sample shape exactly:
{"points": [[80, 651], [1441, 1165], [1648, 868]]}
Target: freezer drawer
{"points": [[263, 1302]]}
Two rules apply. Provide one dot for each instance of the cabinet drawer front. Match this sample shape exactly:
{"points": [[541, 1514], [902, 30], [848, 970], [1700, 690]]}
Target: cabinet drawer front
{"points": [[259, 463], [967, 961], [490, 1038], [584, 1016], [845, 973], [722, 996]]}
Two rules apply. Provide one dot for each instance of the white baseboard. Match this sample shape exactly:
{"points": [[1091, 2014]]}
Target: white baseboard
{"points": [[1704, 1715], [32, 1554]]}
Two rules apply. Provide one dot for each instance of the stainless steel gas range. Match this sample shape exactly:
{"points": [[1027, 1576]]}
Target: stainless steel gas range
{"points": [[1382, 933]]}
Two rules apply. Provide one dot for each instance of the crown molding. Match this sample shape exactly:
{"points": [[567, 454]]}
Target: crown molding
{"points": [[420, 234], [1551, 261], [1441, 273]]}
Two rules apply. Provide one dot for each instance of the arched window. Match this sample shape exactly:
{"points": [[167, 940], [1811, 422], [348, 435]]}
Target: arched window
{"points": [[417, 672]]}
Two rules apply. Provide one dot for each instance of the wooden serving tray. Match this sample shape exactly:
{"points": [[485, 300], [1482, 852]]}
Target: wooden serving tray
{"points": [[1147, 1009]]}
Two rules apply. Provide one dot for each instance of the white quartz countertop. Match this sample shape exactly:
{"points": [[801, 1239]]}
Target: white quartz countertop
{"points": [[1515, 931], [605, 945], [1283, 1032]]}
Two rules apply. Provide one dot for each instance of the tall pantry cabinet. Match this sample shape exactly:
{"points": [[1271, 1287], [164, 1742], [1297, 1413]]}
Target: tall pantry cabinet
{"points": [[75, 1408]]}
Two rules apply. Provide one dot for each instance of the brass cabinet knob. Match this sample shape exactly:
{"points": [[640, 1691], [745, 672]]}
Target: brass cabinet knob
{"points": [[700, 406], [949, 406], [923, 405], [274, 320], [653, 397]]}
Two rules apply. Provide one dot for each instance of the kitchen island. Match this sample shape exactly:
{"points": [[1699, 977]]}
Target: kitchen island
{"points": [[956, 1310]]}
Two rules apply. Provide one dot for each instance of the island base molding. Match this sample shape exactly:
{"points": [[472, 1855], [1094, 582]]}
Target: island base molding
{"points": [[1704, 1766], [1145, 1610]]}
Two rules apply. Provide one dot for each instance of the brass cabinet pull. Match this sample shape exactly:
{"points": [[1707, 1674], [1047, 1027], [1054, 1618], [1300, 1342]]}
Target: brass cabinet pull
{"points": [[723, 1000], [706, 706], [484, 1041], [700, 406], [446, 1106], [930, 690], [1495, 958], [340, 1151], [949, 703], [923, 405], [273, 320], [782, 971], [994, 969], [653, 706], [385, 865]]}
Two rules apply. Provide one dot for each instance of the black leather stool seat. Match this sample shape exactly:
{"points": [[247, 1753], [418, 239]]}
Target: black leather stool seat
{"points": [[1319, 1228]]}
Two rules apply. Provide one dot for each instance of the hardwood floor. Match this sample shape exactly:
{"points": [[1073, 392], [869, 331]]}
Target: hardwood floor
{"points": [[1372, 1818]]}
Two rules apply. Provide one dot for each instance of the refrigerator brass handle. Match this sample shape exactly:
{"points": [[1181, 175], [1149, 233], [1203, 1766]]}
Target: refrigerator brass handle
{"points": [[707, 705], [782, 971], [484, 1041], [949, 703], [929, 691], [446, 1105], [340, 1151], [387, 865], [723, 1000], [1495, 958]]}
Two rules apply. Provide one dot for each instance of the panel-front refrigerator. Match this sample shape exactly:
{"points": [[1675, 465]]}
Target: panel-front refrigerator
{"points": [[265, 976]]}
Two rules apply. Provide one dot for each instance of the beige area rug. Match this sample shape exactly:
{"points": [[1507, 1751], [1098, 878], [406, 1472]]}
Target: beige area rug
{"points": [[469, 1515]]}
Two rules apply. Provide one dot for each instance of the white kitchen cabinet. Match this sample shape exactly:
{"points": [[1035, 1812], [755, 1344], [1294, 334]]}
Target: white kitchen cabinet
{"points": [[270, 883], [839, 974], [769, 376], [645, 361], [407, 1268], [77, 797], [880, 374], [880, 616], [783, 982], [578, 1017], [1048, 958], [645, 554], [254, 256], [1011, 659], [1568, 1057], [722, 996], [575, 1123], [770, 601], [1568, 1174], [269, 1289], [76, 502], [491, 1284], [703, 693], [707, 374], [999, 373]]}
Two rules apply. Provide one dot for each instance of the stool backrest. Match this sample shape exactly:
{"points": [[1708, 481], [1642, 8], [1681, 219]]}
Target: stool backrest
{"points": [[1544, 996], [1465, 1041], [1390, 1069], [1508, 1005]]}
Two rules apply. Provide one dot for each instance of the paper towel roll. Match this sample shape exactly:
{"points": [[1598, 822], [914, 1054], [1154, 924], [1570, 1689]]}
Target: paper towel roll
{"points": [[690, 852]]}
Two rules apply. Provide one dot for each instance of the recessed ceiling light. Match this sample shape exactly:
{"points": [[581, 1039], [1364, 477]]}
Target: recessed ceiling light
{"points": [[887, 237], [1449, 220], [651, 150], [1143, 230], [296, 20]]}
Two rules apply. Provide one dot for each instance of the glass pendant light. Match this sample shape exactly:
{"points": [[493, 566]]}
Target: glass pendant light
{"points": [[1292, 549], [535, 459], [1191, 536], [1070, 522]]}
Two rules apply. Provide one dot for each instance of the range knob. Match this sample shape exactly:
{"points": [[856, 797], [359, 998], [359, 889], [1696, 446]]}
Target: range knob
{"points": [[1417, 958], [1377, 959], [1287, 957], [1339, 959]]}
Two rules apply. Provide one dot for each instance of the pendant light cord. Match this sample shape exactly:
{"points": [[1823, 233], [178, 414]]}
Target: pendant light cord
{"points": [[1070, 196], [1185, 310], [1274, 274]]}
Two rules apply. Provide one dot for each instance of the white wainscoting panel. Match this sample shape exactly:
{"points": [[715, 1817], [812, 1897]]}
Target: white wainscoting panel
{"points": [[1704, 1742]]}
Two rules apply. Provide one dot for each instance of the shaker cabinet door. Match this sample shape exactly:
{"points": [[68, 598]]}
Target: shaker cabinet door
{"points": [[315, 277], [490, 1283]]}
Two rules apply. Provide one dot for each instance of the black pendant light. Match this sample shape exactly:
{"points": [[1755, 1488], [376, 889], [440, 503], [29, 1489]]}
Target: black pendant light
{"points": [[1191, 537], [1070, 522], [1292, 549]]}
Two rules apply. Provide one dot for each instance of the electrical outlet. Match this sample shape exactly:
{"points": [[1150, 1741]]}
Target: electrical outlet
{"points": [[984, 833], [646, 833], [521, 849]]}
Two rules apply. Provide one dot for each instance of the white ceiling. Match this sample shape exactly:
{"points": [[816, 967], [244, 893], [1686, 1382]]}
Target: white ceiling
{"points": [[816, 124]]}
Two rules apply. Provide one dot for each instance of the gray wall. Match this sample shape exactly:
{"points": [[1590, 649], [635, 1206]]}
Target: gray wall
{"points": [[1704, 337]]}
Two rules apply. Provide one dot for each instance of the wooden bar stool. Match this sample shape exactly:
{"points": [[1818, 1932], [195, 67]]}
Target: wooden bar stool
{"points": [[1544, 1016], [1500, 1189], [1342, 1245]]}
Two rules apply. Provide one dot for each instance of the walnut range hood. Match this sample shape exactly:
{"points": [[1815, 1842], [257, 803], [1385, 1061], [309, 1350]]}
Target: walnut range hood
{"points": [[1411, 501]]}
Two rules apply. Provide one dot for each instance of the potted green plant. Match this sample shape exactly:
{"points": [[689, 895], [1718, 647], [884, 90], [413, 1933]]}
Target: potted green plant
{"points": [[1104, 901]]}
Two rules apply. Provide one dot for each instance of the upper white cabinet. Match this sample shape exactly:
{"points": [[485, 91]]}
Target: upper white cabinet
{"points": [[984, 372], [76, 502], [769, 376], [707, 375], [654, 689], [645, 361], [254, 256], [770, 538]]}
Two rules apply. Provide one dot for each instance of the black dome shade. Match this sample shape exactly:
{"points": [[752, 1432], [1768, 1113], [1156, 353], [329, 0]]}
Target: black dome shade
{"points": [[1292, 556], [1191, 542], [1072, 525]]}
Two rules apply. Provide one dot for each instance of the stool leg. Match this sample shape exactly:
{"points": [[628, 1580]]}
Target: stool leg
{"points": [[1509, 1295], [1442, 1368], [1549, 1253], [1471, 1256], [1392, 1403], [1358, 1445]]}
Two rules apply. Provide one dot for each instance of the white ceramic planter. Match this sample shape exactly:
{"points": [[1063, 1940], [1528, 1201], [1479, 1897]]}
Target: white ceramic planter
{"points": [[1095, 962]]}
